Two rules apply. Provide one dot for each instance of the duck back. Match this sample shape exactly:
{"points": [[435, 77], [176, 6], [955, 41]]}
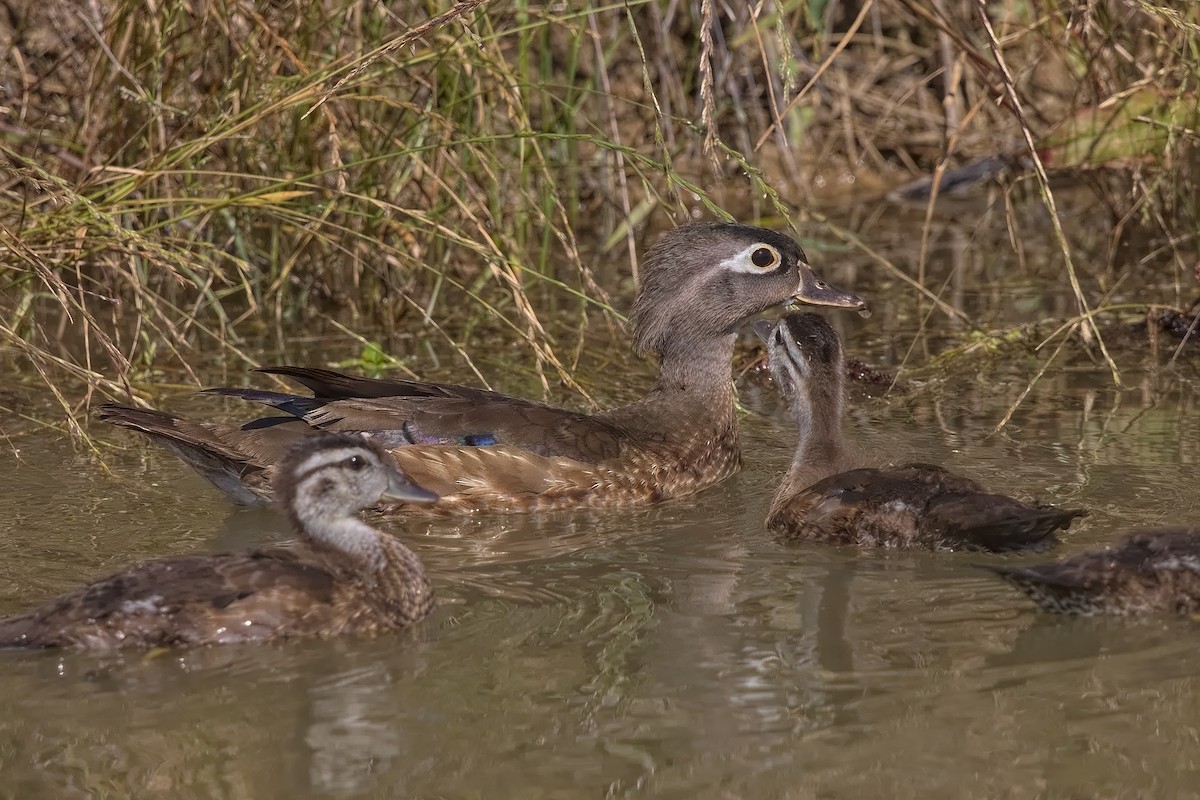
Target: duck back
{"points": [[1152, 570], [189, 600], [916, 505]]}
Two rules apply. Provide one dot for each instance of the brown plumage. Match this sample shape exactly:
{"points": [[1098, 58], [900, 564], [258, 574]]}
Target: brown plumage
{"points": [[344, 577], [1152, 570], [480, 450], [825, 498]]}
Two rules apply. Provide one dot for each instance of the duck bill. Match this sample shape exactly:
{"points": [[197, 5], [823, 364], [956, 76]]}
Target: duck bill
{"points": [[817, 292], [402, 490], [763, 328]]}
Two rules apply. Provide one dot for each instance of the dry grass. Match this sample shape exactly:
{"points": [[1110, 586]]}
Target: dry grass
{"points": [[178, 173]]}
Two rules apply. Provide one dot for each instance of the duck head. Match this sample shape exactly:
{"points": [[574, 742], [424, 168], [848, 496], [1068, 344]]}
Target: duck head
{"points": [[328, 476], [801, 339], [703, 280], [803, 351]]}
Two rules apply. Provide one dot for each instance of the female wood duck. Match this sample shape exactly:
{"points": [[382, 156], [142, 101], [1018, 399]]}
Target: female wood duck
{"points": [[344, 578], [1152, 570], [480, 450], [913, 505]]}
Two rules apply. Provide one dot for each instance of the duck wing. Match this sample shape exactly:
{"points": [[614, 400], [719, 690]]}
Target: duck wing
{"points": [[401, 412], [993, 522], [240, 461], [189, 600]]}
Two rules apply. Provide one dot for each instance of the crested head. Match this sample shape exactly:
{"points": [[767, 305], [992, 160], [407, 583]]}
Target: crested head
{"points": [[703, 280], [328, 476]]}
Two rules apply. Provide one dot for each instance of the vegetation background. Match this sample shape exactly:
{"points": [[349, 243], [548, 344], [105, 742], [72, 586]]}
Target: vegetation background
{"points": [[179, 175]]}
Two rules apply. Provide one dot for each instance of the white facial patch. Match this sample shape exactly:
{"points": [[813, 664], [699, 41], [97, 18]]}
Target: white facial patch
{"points": [[744, 261]]}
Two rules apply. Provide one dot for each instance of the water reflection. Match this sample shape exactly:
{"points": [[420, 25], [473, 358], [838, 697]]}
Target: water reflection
{"points": [[350, 732], [676, 651]]}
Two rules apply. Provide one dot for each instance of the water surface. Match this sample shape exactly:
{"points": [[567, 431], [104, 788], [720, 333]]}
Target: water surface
{"points": [[676, 651]]}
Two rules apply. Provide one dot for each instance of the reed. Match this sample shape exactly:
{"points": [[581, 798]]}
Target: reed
{"points": [[178, 174]]}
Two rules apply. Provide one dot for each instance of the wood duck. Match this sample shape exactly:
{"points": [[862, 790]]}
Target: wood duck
{"points": [[908, 506], [480, 450], [1152, 570], [344, 577]]}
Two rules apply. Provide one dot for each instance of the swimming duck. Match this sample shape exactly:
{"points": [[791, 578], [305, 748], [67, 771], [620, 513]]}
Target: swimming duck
{"points": [[480, 450], [828, 496], [344, 577], [1151, 570]]}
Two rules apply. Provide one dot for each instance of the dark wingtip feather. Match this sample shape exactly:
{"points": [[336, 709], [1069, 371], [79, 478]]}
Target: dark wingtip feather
{"points": [[1033, 530], [1003, 571], [296, 405], [1022, 577], [1037, 540], [326, 384]]}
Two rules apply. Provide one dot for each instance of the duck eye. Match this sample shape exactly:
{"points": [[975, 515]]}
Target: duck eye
{"points": [[764, 257], [356, 462]]}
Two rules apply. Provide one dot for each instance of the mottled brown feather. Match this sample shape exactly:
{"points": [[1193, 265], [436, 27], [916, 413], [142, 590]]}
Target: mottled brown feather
{"points": [[1155, 570]]}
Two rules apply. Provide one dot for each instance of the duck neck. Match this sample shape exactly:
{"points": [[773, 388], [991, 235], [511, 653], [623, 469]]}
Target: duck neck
{"points": [[692, 400], [397, 573], [343, 535], [700, 370], [818, 414]]}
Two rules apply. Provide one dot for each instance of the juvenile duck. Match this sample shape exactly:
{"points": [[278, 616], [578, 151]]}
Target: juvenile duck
{"points": [[480, 450], [1152, 570], [344, 578], [913, 505]]}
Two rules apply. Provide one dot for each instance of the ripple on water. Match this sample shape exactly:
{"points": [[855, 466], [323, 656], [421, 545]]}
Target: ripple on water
{"points": [[675, 651]]}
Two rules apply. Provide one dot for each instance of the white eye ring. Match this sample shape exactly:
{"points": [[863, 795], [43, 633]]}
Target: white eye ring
{"points": [[764, 257], [757, 258]]}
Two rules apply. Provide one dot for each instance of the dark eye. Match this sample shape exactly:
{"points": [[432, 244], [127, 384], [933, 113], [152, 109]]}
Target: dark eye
{"points": [[356, 462], [763, 257]]}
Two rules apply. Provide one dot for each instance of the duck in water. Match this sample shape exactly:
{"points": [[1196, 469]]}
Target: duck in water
{"points": [[828, 496], [1152, 570], [484, 451], [344, 577]]}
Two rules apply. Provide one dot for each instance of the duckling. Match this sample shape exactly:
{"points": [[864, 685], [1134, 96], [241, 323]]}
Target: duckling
{"points": [[485, 451], [344, 577], [828, 496], [1151, 570]]}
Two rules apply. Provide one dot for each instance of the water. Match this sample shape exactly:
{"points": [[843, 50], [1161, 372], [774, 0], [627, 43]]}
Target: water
{"points": [[677, 651]]}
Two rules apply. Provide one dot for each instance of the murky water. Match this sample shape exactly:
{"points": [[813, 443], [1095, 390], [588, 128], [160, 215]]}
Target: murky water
{"points": [[675, 651]]}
